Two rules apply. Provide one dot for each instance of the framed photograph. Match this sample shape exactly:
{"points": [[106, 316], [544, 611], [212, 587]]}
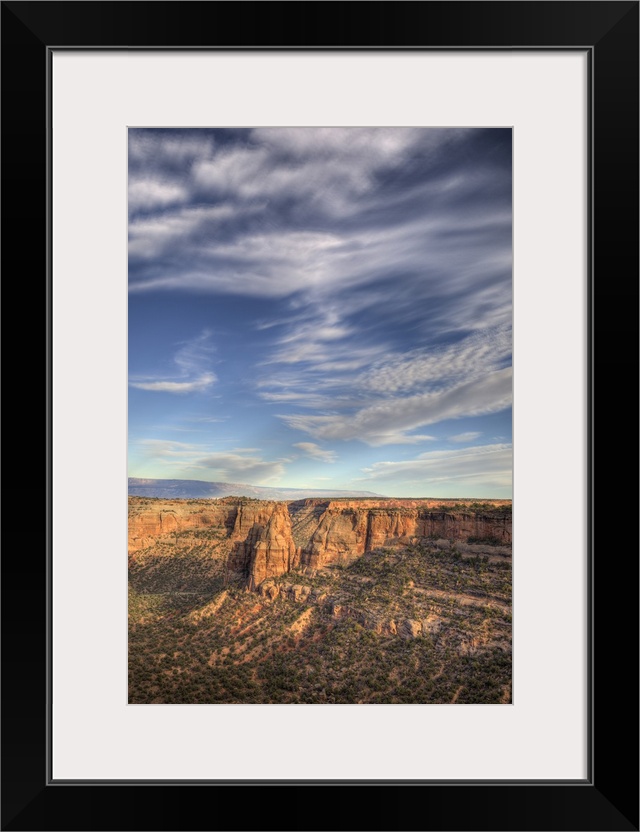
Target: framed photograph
{"points": [[407, 201], [304, 303]]}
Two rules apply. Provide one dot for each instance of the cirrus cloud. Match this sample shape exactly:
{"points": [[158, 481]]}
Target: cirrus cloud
{"points": [[395, 416], [468, 436], [316, 452], [186, 458], [191, 359], [488, 467], [196, 386]]}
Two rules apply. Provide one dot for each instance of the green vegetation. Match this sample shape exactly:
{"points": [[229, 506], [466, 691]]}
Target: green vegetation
{"points": [[197, 636]]}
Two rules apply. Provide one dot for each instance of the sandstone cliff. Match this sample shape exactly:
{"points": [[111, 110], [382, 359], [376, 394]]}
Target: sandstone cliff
{"points": [[269, 549], [341, 532], [264, 539], [153, 520]]}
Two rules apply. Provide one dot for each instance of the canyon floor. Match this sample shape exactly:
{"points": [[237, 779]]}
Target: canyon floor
{"points": [[319, 601]]}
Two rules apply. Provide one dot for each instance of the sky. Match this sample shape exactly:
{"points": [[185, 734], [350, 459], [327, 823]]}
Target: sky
{"points": [[322, 308]]}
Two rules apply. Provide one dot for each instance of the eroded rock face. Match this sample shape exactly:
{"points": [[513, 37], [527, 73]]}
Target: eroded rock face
{"points": [[269, 590], [345, 531], [296, 592], [409, 628], [260, 540], [340, 537], [270, 547], [250, 523], [150, 521]]}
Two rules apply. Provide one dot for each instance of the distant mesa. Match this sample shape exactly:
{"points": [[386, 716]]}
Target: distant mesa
{"points": [[198, 489]]}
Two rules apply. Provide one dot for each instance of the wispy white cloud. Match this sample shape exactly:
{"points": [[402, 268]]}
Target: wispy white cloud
{"points": [[379, 261], [469, 436], [157, 148], [355, 218], [198, 385], [279, 262], [317, 335], [178, 229], [436, 367], [397, 415], [316, 452], [191, 359], [239, 464], [167, 448], [327, 167], [376, 440], [365, 146], [383, 396], [195, 352], [484, 466], [242, 467], [153, 193], [206, 419]]}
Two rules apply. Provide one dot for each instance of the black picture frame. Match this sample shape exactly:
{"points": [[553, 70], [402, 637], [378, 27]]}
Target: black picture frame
{"points": [[608, 798]]}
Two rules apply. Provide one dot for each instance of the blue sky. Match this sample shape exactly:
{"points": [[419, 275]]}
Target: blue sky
{"points": [[322, 308]]}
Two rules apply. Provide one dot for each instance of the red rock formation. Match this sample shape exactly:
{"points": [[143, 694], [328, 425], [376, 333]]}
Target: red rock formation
{"points": [[265, 539], [271, 547], [344, 531], [340, 537], [152, 520], [250, 523]]}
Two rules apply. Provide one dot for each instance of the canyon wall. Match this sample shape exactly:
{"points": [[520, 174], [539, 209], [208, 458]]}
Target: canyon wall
{"points": [[153, 520], [339, 531], [263, 539], [264, 546]]}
